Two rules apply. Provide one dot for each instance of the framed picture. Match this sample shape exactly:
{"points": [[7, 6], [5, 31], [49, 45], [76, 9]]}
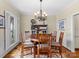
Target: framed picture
{"points": [[61, 24], [1, 21]]}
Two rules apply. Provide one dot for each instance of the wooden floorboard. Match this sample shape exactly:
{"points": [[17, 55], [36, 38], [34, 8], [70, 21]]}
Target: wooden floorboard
{"points": [[16, 53]]}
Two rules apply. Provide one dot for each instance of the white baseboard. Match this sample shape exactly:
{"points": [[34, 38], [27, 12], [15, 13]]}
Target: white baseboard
{"points": [[5, 52]]}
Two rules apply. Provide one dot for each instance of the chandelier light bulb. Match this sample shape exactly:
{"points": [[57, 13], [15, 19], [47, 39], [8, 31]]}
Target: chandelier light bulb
{"points": [[44, 12], [38, 12], [43, 15], [35, 14]]}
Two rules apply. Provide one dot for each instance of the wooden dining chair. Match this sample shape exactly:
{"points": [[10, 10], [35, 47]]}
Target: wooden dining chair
{"points": [[58, 45], [44, 45], [26, 45], [54, 34]]}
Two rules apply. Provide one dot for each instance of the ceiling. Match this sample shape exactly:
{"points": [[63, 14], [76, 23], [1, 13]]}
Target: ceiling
{"points": [[51, 7]]}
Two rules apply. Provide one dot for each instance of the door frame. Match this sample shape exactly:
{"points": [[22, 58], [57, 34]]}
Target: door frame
{"points": [[8, 33], [75, 14]]}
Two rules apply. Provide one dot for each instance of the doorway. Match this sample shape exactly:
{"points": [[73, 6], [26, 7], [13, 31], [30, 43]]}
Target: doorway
{"points": [[10, 31], [76, 30]]}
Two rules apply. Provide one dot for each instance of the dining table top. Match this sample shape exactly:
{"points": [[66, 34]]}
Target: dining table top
{"points": [[38, 40], [34, 40]]}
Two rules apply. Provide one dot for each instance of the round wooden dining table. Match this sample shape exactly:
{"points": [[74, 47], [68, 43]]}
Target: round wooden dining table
{"points": [[36, 41]]}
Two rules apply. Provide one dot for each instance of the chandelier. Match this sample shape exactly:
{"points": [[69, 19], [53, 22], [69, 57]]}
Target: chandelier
{"points": [[42, 16]]}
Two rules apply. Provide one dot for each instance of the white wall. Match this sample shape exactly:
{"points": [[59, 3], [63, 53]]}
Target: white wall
{"points": [[67, 13], [68, 40], [1, 42], [5, 6], [51, 21], [26, 24]]}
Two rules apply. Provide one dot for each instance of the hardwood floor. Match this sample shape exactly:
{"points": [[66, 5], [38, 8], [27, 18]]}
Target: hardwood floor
{"points": [[16, 53]]}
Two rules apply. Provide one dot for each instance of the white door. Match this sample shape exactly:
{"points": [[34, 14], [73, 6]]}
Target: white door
{"points": [[76, 22], [11, 30]]}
